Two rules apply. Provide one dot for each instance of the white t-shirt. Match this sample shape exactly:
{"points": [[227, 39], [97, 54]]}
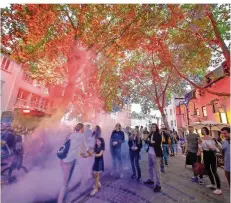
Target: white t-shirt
{"points": [[78, 145]]}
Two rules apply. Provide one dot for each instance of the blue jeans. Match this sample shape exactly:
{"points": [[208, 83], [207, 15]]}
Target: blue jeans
{"points": [[172, 148], [116, 155], [175, 148], [134, 158], [165, 152]]}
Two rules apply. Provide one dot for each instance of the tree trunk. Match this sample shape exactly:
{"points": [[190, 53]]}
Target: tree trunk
{"points": [[164, 118]]}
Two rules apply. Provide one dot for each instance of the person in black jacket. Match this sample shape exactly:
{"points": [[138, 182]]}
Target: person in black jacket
{"points": [[135, 145], [155, 155]]}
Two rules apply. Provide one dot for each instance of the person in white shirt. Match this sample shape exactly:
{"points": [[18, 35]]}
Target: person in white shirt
{"points": [[210, 148], [77, 147]]}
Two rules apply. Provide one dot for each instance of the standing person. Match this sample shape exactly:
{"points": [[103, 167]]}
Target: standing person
{"points": [[98, 166], [175, 142], [226, 151], [172, 143], [154, 155], [209, 148], [90, 139], [135, 145], [77, 142], [165, 144], [117, 138], [97, 132], [125, 148], [182, 144], [141, 130], [192, 141]]}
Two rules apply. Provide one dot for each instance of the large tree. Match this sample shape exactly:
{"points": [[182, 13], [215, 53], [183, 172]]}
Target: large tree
{"points": [[80, 46]]}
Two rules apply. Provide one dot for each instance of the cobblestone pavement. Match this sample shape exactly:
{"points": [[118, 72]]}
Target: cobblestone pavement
{"points": [[176, 187]]}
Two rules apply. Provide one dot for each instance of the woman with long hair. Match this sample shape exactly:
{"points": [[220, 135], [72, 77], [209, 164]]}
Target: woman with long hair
{"points": [[208, 145], [135, 145], [97, 132], [77, 142], [117, 138], [155, 154], [98, 166]]}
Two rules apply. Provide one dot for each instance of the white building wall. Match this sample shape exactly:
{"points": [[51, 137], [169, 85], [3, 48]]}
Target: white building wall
{"points": [[11, 81], [170, 111]]}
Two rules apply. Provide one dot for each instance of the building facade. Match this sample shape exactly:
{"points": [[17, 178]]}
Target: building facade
{"points": [[19, 91], [170, 111], [201, 105]]}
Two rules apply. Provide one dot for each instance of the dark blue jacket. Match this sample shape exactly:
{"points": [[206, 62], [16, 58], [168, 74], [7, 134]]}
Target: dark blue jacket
{"points": [[117, 136]]}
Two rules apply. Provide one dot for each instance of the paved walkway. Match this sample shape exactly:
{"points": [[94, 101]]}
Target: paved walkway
{"points": [[176, 187]]}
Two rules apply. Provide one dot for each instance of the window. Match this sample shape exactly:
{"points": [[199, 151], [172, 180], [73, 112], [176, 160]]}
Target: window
{"points": [[34, 100], [175, 122], [2, 83], [204, 111], [27, 78], [22, 94], [223, 117], [46, 104], [170, 112], [171, 123], [42, 103], [5, 65], [197, 112], [22, 97]]}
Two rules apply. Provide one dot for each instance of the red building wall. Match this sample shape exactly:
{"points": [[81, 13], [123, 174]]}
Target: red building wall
{"points": [[221, 104]]}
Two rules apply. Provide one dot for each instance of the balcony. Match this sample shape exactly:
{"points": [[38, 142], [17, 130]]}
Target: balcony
{"points": [[21, 103], [40, 106]]}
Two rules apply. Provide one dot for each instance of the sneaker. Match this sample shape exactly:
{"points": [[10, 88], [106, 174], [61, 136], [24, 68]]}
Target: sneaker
{"points": [[94, 192], [149, 182], [217, 192], [166, 164], [162, 170], [211, 186], [200, 181], [157, 188], [194, 179], [133, 176]]}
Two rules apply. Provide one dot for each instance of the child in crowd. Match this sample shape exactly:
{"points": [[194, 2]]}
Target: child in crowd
{"points": [[98, 166]]}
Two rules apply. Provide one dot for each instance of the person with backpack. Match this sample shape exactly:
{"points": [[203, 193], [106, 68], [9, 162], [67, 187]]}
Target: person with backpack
{"points": [[226, 151], [68, 154]]}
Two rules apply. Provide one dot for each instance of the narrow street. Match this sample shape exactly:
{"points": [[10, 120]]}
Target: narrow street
{"points": [[176, 187]]}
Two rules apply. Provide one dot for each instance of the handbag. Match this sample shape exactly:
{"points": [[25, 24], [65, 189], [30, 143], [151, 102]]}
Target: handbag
{"points": [[199, 168]]}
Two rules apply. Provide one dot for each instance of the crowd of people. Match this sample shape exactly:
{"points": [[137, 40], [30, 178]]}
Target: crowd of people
{"points": [[160, 144]]}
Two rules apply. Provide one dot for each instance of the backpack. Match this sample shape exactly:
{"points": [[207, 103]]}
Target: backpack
{"points": [[63, 150], [18, 143]]}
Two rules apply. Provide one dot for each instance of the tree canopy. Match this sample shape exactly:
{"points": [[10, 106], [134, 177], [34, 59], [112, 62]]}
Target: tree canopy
{"points": [[108, 53]]}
